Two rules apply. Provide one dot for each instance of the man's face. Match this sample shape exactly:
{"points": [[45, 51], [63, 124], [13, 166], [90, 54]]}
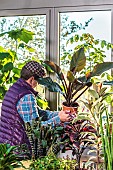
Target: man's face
{"points": [[34, 83]]}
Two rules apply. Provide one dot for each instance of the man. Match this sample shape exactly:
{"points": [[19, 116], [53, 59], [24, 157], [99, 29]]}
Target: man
{"points": [[19, 106]]}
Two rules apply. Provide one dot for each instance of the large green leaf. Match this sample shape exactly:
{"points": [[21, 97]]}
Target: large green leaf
{"points": [[50, 84], [70, 76], [2, 90], [108, 83], [55, 68], [4, 55], [2, 49], [93, 93], [8, 67], [83, 79], [30, 49], [16, 70], [78, 60], [21, 34], [100, 68]]}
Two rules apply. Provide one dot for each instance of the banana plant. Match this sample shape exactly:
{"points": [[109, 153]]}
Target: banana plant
{"points": [[74, 85]]}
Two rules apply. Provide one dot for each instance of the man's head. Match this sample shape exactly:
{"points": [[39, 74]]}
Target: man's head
{"points": [[31, 71]]}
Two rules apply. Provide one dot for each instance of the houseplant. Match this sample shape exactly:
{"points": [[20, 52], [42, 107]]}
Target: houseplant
{"points": [[74, 85], [98, 111], [8, 159], [52, 162], [44, 139], [81, 134], [107, 140]]}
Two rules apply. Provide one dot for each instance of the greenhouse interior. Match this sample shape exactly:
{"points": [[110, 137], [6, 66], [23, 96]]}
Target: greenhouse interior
{"points": [[56, 85]]}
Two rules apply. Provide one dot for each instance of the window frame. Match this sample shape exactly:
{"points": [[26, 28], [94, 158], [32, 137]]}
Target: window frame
{"points": [[52, 10], [76, 9]]}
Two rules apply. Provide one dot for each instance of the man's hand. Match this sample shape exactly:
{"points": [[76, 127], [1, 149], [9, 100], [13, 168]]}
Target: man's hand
{"points": [[64, 117]]}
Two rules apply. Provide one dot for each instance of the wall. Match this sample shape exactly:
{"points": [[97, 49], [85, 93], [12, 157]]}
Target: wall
{"points": [[17, 4]]}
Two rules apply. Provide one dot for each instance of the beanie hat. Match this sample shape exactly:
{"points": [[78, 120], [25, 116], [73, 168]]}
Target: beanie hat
{"points": [[36, 68]]}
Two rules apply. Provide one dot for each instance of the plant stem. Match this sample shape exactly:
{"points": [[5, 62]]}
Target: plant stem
{"points": [[79, 96], [69, 94], [77, 90], [65, 87], [98, 160]]}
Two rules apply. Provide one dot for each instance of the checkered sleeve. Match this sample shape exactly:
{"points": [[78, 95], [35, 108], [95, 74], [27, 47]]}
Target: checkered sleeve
{"points": [[52, 117], [54, 121], [27, 108]]}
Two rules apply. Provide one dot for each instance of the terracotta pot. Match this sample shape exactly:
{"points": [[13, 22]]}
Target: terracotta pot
{"points": [[72, 110]]}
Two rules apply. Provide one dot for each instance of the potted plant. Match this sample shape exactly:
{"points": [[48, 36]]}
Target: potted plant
{"points": [[74, 85], [98, 113], [81, 134], [44, 139]]}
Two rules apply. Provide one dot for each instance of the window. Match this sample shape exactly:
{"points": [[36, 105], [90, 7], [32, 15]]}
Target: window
{"points": [[96, 23], [54, 19], [35, 48], [12, 27]]}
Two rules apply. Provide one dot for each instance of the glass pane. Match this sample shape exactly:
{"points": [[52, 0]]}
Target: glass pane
{"points": [[96, 23], [35, 24], [31, 43]]}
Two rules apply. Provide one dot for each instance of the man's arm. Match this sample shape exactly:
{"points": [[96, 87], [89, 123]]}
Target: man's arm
{"points": [[53, 117], [27, 108]]}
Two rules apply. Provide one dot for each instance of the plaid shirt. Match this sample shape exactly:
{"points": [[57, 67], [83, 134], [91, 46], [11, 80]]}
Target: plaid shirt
{"points": [[28, 110]]}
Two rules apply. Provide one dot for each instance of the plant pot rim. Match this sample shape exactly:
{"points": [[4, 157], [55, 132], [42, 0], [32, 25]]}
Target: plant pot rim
{"points": [[64, 105]]}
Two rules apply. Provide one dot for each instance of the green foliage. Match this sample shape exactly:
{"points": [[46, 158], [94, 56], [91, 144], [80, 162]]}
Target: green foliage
{"points": [[42, 103], [107, 141], [78, 61], [74, 83], [97, 106], [94, 49], [11, 63], [52, 162], [43, 139], [8, 159], [35, 24], [53, 86], [9, 68], [20, 35], [80, 133], [69, 28]]}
